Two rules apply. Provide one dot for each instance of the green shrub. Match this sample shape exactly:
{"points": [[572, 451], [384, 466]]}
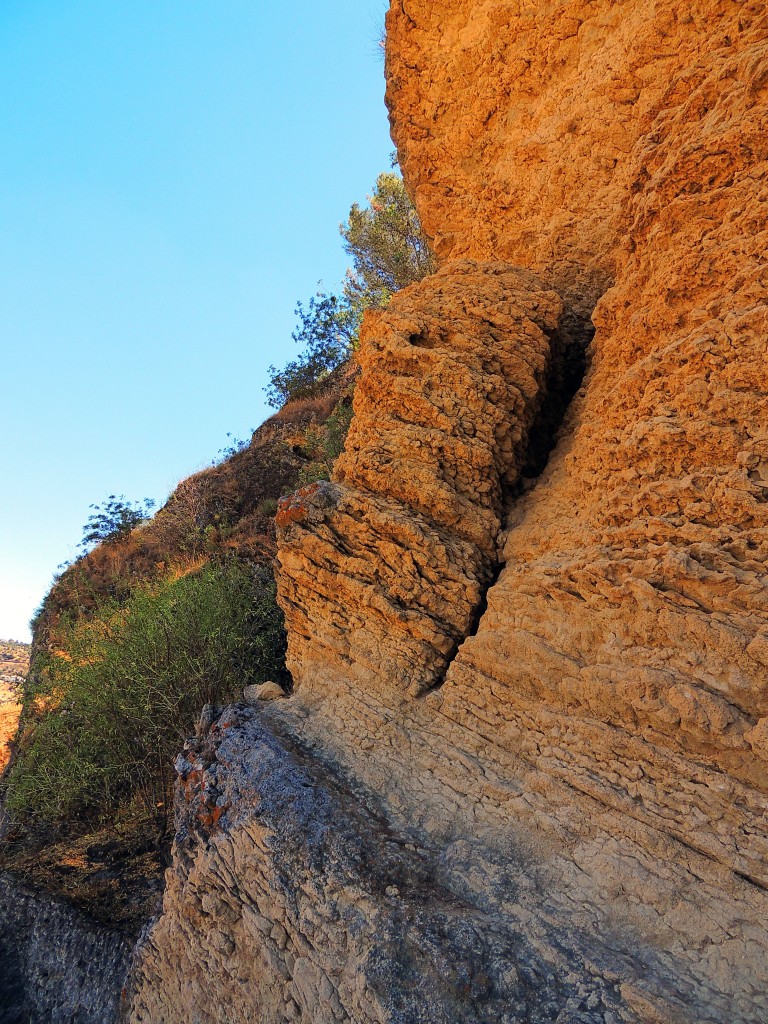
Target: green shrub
{"points": [[389, 251], [114, 519], [107, 712], [327, 331], [325, 443], [267, 508]]}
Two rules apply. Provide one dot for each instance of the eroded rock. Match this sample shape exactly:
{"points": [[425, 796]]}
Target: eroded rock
{"points": [[56, 965], [577, 751], [383, 570], [301, 902], [262, 691]]}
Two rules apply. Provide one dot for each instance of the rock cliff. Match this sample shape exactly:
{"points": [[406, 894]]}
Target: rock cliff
{"points": [[453, 376], [529, 653], [57, 966]]}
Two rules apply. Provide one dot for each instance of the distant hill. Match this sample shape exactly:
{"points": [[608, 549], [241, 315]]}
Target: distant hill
{"points": [[14, 664], [14, 659]]}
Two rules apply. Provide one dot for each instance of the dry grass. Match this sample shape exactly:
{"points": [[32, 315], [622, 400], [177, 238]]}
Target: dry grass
{"points": [[228, 508], [114, 875], [220, 510], [306, 410]]}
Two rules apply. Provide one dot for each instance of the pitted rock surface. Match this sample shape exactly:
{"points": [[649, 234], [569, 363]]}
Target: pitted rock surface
{"points": [[383, 570], [577, 750]]}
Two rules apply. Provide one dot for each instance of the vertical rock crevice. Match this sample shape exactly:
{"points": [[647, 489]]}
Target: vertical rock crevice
{"points": [[383, 570], [566, 369]]}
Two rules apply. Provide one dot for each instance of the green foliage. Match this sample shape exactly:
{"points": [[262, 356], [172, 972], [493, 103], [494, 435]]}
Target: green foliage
{"points": [[267, 508], [114, 519], [389, 251], [326, 443], [107, 712], [327, 331], [232, 448]]}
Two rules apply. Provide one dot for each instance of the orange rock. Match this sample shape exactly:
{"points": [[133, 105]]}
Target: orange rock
{"points": [[612, 696], [578, 748], [385, 567], [14, 665]]}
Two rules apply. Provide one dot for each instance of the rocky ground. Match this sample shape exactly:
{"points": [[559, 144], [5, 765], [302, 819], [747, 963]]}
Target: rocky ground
{"points": [[293, 899]]}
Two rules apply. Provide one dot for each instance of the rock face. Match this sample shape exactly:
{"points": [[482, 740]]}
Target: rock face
{"points": [[635, 596], [453, 374], [56, 966], [294, 900], [14, 664], [579, 748]]}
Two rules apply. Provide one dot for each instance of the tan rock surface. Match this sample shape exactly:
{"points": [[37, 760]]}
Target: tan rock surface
{"points": [[590, 762], [452, 378], [293, 900], [262, 691], [615, 689]]}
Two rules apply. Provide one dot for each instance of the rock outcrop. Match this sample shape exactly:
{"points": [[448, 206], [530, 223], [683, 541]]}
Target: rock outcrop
{"points": [[14, 665], [56, 965], [577, 750], [293, 899], [453, 375]]}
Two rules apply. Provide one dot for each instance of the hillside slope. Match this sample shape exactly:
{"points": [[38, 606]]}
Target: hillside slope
{"points": [[110, 866]]}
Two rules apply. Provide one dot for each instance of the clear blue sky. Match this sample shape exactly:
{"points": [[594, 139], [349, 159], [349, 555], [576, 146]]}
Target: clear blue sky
{"points": [[172, 177]]}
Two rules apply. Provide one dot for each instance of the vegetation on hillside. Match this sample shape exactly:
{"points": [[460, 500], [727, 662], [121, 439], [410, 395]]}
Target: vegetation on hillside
{"points": [[389, 251], [114, 519], [108, 710], [159, 616], [14, 660]]}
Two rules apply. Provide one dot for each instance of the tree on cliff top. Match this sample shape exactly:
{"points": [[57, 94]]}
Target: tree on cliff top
{"points": [[389, 251]]}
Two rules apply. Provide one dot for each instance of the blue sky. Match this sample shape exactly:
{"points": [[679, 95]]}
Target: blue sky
{"points": [[172, 177]]}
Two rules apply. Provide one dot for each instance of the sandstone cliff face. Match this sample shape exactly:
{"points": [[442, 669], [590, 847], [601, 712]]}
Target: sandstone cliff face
{"points": [[645, 544], [453, 374], [591, 761]]}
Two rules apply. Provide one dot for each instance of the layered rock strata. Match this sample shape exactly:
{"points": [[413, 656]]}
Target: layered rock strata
{"points": [[453, 374], [294, 900], [615, 688], [636, 594], [593, 766]]}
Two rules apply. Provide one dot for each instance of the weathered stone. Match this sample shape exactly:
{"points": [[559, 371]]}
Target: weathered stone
{"points": [[568, 764], [390, 943], [453, 375], [56, 965], [262, 691]]}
